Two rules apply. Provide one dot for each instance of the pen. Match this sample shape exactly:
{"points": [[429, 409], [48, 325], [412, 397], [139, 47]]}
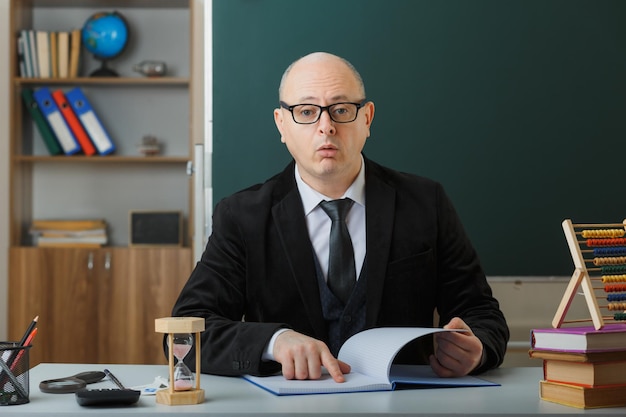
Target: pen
{"points": [[24, 339], [27, 342], [114, 379]]}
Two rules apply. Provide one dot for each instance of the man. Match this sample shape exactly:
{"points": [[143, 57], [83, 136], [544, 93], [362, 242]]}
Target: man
{"points": [[264, 281]]}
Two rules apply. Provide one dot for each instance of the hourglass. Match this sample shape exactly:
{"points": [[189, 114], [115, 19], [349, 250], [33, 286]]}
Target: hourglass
{"points": [[183, 378], [182, 332]]}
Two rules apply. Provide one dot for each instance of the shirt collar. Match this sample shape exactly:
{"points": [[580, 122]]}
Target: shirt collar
{"points": [[311, 198]]}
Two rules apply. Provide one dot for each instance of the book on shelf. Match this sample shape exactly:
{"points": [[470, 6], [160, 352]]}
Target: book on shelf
{"points": [[53, 115], [54, 55], [63, 48], [71, 232], [370, 355], [581, 396], [44, 128], [95, 240], [67, 224], [20, 56], [75, 43], [32, 48], [589, 374], [49, 54], [91, 122], [43, 53], [580, 338], [74, 124], [25, 42]]}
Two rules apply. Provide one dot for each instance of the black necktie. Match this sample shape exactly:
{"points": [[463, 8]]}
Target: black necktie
{"points": [[341, 271]]}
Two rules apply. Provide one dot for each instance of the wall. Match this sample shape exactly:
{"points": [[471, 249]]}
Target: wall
{"points": [[516, 106], [4, 164], [531, 302]]}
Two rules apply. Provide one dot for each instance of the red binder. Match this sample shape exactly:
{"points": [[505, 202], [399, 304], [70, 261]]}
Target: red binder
{"points": [[77, 128]]}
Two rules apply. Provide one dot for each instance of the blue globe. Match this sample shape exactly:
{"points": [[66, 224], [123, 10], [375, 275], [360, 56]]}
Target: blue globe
{"points": [[105, 34]]}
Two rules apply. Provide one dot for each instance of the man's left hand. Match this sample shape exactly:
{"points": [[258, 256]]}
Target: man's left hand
{"points": [[456, 353]]}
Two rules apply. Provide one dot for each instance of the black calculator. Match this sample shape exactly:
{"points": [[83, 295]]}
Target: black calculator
{"points": [[107, 396]]}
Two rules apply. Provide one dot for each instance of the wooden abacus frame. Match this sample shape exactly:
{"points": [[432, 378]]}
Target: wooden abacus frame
{"points": [[581, 277]]}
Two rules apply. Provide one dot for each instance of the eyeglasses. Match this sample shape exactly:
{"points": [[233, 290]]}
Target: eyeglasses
{"points": [[307, 114]]}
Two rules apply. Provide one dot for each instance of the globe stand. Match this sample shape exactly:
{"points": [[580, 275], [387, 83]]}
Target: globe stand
{"points": [[104, 71], [177, 325]]}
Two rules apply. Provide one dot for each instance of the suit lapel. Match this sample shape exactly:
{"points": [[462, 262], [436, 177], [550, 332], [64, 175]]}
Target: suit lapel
{"points": [[379, 218], [298, 251]]}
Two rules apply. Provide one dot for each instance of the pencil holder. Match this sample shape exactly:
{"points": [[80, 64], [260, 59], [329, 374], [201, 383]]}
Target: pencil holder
{"points": [[14, 386]]}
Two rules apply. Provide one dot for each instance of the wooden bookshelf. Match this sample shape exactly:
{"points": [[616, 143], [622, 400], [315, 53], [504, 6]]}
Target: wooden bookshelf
{"points": [[100, 298]]}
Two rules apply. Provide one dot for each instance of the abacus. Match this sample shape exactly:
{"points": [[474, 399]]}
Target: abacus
{"points": [[599, 255]]}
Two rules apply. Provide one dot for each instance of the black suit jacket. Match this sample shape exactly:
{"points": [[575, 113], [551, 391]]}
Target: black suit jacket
{"points": [[257, 273]]}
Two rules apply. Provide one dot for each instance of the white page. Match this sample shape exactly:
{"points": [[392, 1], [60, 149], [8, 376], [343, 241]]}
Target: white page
{"points": [[371, 352], [353, 383]]}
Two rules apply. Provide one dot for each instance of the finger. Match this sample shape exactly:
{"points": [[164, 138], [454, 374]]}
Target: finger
{"points": [[334, 367], [314, 367], [301, 364], [438, 368], [456, 323], [288, 369]]}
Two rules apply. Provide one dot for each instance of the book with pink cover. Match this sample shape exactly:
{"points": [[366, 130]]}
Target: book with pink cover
{"points": [[611, 337]]}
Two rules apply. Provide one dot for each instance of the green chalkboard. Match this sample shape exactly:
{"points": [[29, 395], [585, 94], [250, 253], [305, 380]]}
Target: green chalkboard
{"points": [[518, 107]]}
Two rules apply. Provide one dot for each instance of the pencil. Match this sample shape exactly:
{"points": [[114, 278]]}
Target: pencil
{"points": [[28, 342], [30, 328]]}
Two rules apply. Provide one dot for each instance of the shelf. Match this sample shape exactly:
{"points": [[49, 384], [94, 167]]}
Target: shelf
{"points": [[109, 81], [112, 3], [103, 159]]}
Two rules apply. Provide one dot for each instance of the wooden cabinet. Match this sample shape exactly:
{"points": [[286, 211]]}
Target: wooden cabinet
{"points": [[99, 305], [95, 305]]}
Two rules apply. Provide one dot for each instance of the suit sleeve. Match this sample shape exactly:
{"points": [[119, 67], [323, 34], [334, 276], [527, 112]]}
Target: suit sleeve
{"points": [[216, 291], [463, 288]]}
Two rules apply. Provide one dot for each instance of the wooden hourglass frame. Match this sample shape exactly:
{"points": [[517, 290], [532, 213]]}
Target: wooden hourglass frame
{"points": [[171, 326], [600, 258]]}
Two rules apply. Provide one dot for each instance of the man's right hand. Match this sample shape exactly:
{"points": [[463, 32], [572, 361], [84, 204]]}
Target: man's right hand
{"points": [[302, 357]]}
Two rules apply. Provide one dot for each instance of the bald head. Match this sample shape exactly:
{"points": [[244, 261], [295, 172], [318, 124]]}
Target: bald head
{"points": [[318, 59]]}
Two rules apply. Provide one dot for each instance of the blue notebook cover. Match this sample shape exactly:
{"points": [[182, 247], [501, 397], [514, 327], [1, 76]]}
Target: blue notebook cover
{"points": [[96, 131], [55, 119]]}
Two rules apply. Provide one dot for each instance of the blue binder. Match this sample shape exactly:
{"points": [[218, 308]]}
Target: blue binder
{"points": [[90, 121], [55, 119]]}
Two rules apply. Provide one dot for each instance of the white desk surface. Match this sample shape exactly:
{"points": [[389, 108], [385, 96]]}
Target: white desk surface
{"points": [[518, 395]]}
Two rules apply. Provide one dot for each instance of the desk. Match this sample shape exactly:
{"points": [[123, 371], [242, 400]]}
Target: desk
{"points": [[234, 397]]}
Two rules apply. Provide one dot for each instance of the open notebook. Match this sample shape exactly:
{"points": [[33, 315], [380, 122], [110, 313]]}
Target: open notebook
{"points": [[370, 354]]}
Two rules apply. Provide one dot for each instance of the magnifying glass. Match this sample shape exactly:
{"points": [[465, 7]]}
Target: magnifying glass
{"points": [[70, 383]]}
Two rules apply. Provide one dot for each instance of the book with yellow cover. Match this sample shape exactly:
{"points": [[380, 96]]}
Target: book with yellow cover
{"points": [[69, 224], [583, 397], [601, 356], [590, 374]]}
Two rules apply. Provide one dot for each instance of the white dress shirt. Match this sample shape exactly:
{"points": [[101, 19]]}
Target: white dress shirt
{"points": [[318, 223]]}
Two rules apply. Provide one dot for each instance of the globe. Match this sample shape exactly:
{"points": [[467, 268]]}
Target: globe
{"points": [[105, 35]]}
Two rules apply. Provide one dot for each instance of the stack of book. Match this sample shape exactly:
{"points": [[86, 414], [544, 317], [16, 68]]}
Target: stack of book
{"points": [[582, 367], [69, 233], [43, 54]]}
